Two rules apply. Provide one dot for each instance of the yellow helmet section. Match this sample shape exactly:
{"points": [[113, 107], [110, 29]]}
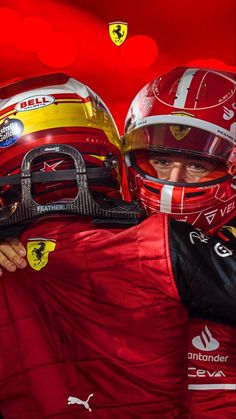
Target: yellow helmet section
{"points": [[66, 113], [58, 109]]}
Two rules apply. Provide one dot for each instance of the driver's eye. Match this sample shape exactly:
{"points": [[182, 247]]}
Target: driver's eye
{"points": [[162, 162], [197, 167]]}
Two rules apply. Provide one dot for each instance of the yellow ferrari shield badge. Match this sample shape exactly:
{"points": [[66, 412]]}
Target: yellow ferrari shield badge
{"points": [[179, 131], [38, 251], [118, 32]]}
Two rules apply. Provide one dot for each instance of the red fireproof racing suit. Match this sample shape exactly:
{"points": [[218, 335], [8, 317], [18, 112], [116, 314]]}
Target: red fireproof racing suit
{"points": [[96, 325]]}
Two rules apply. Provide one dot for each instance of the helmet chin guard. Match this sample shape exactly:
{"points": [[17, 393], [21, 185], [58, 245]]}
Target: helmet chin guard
{"points": [[84, 203]]}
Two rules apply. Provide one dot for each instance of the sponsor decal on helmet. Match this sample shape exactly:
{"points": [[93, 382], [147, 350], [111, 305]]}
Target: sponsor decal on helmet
{"points": [[228, 208], [225, 134], [38, 250], [10, 131], [34, 102], [118, 32], [228, 113], [210, 215], [233, 130], [179, 131], [228, 95], [146, 100], [183, 220]]}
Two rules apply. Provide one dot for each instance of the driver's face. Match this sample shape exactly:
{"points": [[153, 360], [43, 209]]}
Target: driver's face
{"points": [[175, 168]]}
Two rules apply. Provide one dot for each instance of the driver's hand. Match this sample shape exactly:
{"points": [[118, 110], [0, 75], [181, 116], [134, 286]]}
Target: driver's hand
{"points": [[12, 253]]}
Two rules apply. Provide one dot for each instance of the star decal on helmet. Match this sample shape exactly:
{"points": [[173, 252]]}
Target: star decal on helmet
{"points": [[50, 167]]}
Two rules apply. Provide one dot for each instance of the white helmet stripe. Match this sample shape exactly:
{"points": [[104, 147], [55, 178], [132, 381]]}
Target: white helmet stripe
{"points": [[71, 86], [182, 90], [166, 199]]}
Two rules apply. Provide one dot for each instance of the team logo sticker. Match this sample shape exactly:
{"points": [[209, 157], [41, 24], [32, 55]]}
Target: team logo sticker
{"points": [[118, 32], [34, 102], [10, 131], [179, 131], [38, 252]]}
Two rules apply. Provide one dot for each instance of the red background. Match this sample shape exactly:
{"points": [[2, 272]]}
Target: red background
{"points": [[41, 36]]}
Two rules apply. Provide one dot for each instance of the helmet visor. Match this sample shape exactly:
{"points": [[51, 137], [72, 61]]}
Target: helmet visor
{"points": [[179, 138], [177, 168]]}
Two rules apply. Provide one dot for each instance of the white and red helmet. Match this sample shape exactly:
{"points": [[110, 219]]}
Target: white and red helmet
{"points": [[56, 109], [192, 112]]}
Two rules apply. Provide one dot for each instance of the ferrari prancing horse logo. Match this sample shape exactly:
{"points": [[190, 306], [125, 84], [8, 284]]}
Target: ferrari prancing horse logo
{"points": [[38, 251], [180, 131], [118, 32]]}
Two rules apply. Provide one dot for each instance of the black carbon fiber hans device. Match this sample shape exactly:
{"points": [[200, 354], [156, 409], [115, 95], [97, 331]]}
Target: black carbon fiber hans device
{"points": [[83, 203]]}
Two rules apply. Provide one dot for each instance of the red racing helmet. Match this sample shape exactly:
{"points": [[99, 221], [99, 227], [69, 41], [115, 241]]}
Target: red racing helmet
{"points": [[190, 112], [56, 109]]}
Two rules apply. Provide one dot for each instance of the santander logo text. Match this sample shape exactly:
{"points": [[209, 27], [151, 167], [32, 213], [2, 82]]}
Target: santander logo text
{"points": [[205, 341]]}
